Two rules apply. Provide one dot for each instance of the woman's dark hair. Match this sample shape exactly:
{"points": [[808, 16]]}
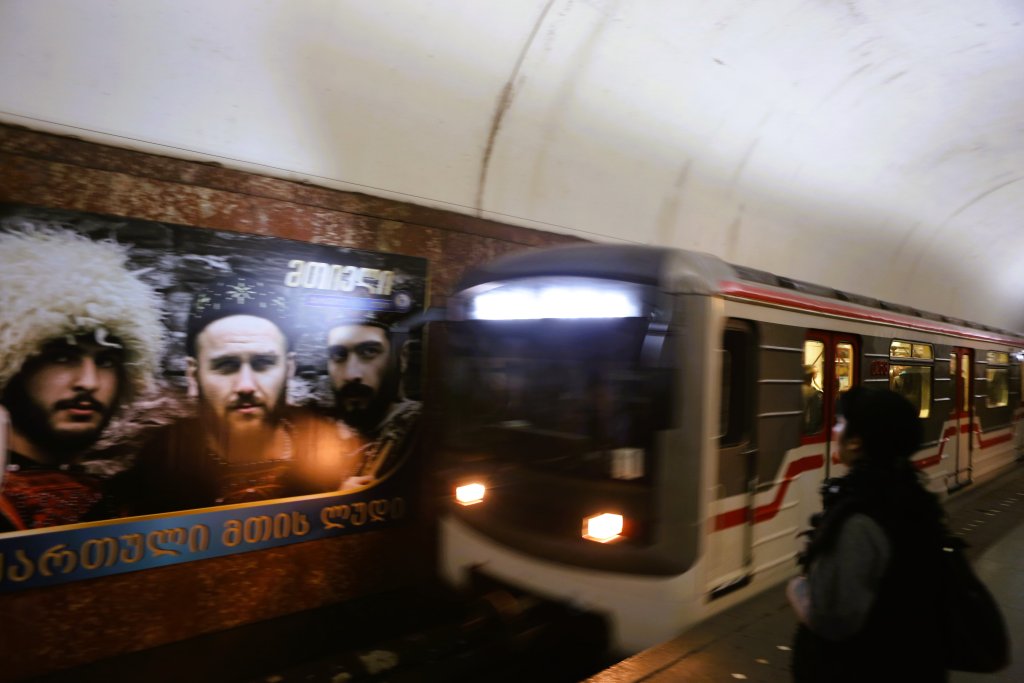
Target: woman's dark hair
{"points": [[886, 423]]}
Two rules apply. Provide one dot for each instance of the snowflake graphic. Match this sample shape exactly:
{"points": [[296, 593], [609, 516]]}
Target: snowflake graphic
{"points": [[241, 292], [279, 303], [201, 302]]}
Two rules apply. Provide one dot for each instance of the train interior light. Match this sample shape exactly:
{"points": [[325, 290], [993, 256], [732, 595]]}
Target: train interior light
{"points": [[603, 528], [470, 494], [556, 298]]}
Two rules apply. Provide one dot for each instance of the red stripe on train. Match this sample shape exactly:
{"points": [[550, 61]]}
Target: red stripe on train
{"points": [[793, 300], [726, 520], [765, 512], [933, 460], [1002, 438]]}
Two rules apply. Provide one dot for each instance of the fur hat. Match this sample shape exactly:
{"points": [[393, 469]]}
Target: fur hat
{"points": [[56, 283]]}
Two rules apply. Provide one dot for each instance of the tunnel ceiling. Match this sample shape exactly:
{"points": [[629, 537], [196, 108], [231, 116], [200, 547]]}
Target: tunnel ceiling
{"points": [[869, 145]]}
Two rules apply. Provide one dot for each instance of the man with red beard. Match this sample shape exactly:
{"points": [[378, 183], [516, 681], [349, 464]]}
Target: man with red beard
{"points": [[245, 443], [80, 336]]}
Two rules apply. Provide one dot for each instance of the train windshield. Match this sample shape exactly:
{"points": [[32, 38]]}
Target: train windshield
{"points": [[577, 398]]}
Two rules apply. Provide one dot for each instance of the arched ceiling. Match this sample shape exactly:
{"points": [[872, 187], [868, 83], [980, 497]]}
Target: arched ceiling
{"points": [[871, 145]]}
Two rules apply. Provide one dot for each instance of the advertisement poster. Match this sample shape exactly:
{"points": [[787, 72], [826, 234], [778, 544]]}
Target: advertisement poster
{"points": [[171, 393]]}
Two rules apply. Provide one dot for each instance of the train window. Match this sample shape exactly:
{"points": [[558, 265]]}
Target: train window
{"points": [[998, 387], [573, 397], [998, 358], [915, 383], [965, 380], [813, 386], [998, 379], [736, 376], [910, 373], [723, 411], [844, 366], [903, 349]]}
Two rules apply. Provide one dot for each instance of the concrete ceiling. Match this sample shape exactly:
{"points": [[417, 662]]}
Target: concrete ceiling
{"points": [[871, 145]]}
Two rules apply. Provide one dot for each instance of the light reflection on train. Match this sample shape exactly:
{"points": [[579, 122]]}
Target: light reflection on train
{"points": [[644, 431]]}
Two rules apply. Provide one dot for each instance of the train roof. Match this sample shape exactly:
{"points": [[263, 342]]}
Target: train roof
{"points": [[683, 271]]}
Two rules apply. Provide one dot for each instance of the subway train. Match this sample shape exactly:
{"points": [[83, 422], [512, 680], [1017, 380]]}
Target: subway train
{"points": [[643, 432]]}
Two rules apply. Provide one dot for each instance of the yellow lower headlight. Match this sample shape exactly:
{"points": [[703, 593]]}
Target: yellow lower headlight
{"points": [[470, 494], [603, 528]]}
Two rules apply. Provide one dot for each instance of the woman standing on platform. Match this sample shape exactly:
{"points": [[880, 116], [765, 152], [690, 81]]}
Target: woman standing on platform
{"points": [[867, 601]]}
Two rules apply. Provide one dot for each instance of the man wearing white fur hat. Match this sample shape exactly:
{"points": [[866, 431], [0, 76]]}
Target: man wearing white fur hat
{"points": [[80, 336]]}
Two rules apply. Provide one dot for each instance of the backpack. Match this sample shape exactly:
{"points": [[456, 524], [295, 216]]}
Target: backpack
{"points": [[974, 631]]}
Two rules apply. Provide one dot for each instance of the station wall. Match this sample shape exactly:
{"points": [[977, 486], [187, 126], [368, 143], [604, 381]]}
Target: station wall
{"points": [[45, 630]]}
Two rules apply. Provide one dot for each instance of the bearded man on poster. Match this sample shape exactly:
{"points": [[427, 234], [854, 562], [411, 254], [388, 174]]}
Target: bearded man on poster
{"points": [[366, 371], [245, 444], [80, 337]]}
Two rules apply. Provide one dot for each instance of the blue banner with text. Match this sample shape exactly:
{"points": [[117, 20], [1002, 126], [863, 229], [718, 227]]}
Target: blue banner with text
{"points": [[30, 559]]}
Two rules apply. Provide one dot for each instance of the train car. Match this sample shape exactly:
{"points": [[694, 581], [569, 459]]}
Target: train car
{"points": [[644, 431]]}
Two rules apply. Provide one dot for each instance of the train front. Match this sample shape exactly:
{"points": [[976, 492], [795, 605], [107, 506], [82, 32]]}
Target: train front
{"points": [[573, 431]]}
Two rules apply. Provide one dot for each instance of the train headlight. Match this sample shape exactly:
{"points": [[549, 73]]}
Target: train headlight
{"points": [[568, 297], [470, 494], [603, 528]]}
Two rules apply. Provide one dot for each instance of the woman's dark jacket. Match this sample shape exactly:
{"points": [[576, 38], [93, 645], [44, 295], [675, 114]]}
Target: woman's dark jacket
{"points": [[899, 640]]}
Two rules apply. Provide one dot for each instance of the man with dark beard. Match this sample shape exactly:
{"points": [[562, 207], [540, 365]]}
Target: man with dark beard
{"points": [[245, 444], [365, 372], [80, 337]]}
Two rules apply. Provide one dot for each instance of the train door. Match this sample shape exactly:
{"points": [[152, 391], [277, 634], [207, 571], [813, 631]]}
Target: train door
{"points": [[830, 368], [731, 555], [960, 367]]}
